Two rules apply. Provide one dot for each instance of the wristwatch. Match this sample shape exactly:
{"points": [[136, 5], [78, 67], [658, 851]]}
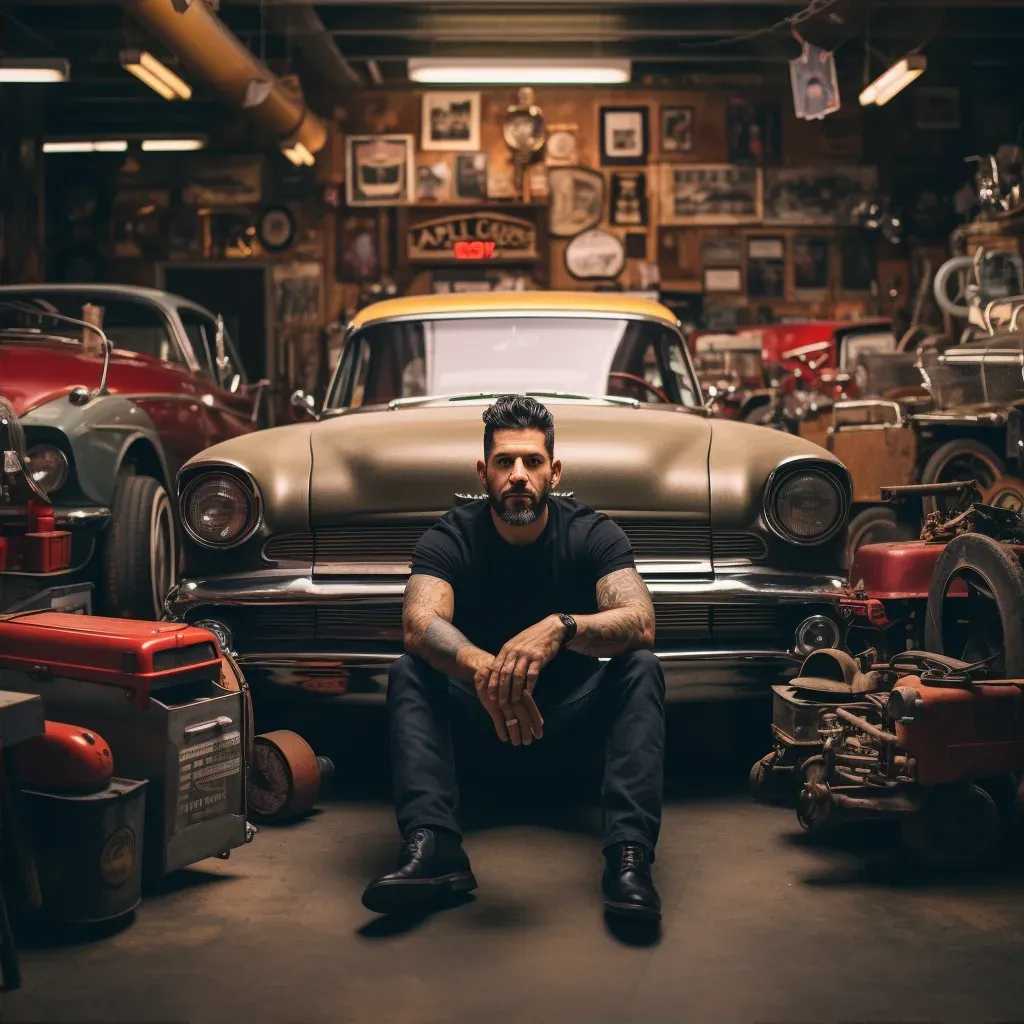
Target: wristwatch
{"points": [[570, 628]]}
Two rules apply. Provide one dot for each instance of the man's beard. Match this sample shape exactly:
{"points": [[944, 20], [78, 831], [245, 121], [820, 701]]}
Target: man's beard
{"points": [[521, 514]]}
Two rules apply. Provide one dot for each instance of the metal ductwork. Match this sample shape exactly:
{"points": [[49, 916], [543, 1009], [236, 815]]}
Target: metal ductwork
{"points": [[191, 31]]}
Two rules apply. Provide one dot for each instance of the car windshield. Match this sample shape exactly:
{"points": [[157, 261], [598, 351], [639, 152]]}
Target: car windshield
{"points": [[131, 326], [578, 355]]}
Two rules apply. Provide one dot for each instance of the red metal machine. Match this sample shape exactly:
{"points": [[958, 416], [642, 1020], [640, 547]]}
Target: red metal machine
{"points": [[156, 692]]}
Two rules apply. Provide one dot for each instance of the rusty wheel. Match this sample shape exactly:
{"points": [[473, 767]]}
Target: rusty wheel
{"points": [[284, 778], [962, 459], [1006, 492], [814, 805]]}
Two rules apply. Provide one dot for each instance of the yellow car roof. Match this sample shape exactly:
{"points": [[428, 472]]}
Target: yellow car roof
{"points": [[472, 304]]}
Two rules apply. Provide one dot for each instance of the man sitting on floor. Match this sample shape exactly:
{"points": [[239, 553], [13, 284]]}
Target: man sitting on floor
{"points": [[511, 602]]}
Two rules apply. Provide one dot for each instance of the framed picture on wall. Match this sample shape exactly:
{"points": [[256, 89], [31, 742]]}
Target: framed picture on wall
{"points": [[380, 170], [356, 256], [450, 121], [676, 131], [754, 132], [811, 258], [471, 176], [860, 260], [628, 201], [624, 138], [766, 268], [710, 194], [822, 196]]}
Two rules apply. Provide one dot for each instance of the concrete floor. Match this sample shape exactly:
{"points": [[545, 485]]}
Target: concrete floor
{"points": [[760, 925]]}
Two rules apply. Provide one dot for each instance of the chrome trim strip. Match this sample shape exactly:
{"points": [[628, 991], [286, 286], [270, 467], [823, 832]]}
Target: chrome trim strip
{"points": [[64, 516], [952, 417], [718, 674], [303, 589], [688, 567]]}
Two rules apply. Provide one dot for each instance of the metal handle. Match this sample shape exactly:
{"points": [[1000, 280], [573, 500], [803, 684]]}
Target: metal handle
{"points": [[867, 403], [217, 723]]}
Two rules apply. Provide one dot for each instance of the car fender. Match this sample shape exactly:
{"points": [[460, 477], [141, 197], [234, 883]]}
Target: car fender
{"points": [[100, 434]]}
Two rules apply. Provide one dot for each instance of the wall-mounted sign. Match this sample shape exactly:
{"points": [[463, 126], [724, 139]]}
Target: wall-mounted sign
{"points": [[595, 254], [442, 238]]}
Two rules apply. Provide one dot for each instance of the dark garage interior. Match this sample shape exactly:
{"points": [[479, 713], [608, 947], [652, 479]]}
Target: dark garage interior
{"points": [[707, 706]]}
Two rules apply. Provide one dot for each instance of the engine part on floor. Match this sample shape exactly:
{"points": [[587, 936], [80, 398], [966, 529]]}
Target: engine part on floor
{"points": [[943, 754], [88, 849], [964, 628], [285, 776], [152, 689], [65, 757], [834, 671]]}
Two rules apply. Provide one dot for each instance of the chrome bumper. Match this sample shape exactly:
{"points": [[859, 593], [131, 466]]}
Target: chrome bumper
{"points": [[697, 676], [707, 672], [69, 518]]}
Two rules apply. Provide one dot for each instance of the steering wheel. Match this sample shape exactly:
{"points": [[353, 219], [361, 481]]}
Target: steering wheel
{"points": [[653, 388]]}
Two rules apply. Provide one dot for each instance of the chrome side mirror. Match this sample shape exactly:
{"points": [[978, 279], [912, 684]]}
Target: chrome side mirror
{"points": [[305, 404], [224, 367]]}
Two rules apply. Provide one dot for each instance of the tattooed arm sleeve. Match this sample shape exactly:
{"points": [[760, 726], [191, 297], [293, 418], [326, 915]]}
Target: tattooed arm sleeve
{"points": [[624, 621], [427, 624]]}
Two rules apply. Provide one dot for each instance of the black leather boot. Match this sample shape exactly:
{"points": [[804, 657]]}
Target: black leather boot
{"points": [[432, 865], [628, 887]]}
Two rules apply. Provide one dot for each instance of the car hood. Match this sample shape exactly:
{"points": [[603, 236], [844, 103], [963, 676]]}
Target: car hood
{"points": [[616, 458], [33, 374]]}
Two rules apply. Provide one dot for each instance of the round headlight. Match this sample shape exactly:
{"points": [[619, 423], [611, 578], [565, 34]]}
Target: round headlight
{"points": [[218, 510], [48, 467], [808, 506]]}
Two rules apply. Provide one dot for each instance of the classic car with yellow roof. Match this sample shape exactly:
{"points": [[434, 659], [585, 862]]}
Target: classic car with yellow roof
{"points": [[299, 538]]}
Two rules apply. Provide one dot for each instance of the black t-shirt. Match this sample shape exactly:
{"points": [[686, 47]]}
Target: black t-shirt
{"points": [[502, 589]]}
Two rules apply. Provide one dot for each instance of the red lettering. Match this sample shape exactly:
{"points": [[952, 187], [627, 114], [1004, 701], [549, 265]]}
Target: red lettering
{"points": [[473, 250]]}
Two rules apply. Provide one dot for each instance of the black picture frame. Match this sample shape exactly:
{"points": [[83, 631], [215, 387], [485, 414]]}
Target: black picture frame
{"points": [[766, 267], [627, 199], [277, 215], [812, 259], [618, 120], [470, 176], [754, 133], [859, 257]]}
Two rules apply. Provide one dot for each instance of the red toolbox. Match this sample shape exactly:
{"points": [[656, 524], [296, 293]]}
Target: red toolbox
{"points": [[152, 689]]}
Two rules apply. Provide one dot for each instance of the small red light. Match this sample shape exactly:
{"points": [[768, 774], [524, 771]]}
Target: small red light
{"points": [[473, 250]]}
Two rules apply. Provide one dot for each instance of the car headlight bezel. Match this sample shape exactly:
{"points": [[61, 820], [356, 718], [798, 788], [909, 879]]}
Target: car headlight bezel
{"points": [[235, 478], [60, 465], [806, 467]]}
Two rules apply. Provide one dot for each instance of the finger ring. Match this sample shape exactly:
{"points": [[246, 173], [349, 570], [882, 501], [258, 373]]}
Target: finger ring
{"points": [[511, 721]]}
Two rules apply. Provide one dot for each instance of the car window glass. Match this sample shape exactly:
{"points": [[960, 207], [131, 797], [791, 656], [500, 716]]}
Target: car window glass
{"points": [[578, 355], [680, 370], [131, 326], [196, 328]]}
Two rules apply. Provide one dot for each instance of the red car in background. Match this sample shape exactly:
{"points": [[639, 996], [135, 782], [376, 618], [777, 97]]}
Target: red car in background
{"points": [[105, 428]]}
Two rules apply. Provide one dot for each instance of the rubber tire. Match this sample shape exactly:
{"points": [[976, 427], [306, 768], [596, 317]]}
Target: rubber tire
{"points": [[942, 455], [997, 565], [880, 519], [128, 585]]}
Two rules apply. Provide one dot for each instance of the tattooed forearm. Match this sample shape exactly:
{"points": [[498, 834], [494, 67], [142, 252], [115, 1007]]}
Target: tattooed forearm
{"points": [[624, 622], [427, 624]]}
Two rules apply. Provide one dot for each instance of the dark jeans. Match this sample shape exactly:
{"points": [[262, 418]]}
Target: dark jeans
{"points": [[624, 698]]}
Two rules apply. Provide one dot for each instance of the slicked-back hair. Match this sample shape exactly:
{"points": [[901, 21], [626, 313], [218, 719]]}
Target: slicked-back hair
{"points": [[518, 412]]}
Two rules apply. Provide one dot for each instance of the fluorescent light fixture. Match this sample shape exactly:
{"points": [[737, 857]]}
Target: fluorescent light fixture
{"points": [[87, 146], [160, 78], [171, 145], [893, 81], [299, 155], [467, 71], [33, 71]]}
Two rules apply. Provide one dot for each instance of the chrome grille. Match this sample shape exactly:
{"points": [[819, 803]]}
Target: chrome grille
{"points": [[652, 540], [289, 547], [960, 381], [382, 620], [655, 539], [745, 621], [738, 545]]}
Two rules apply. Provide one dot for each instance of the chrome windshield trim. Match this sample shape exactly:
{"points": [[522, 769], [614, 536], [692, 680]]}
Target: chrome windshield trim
{"points": [[304, 589]]}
